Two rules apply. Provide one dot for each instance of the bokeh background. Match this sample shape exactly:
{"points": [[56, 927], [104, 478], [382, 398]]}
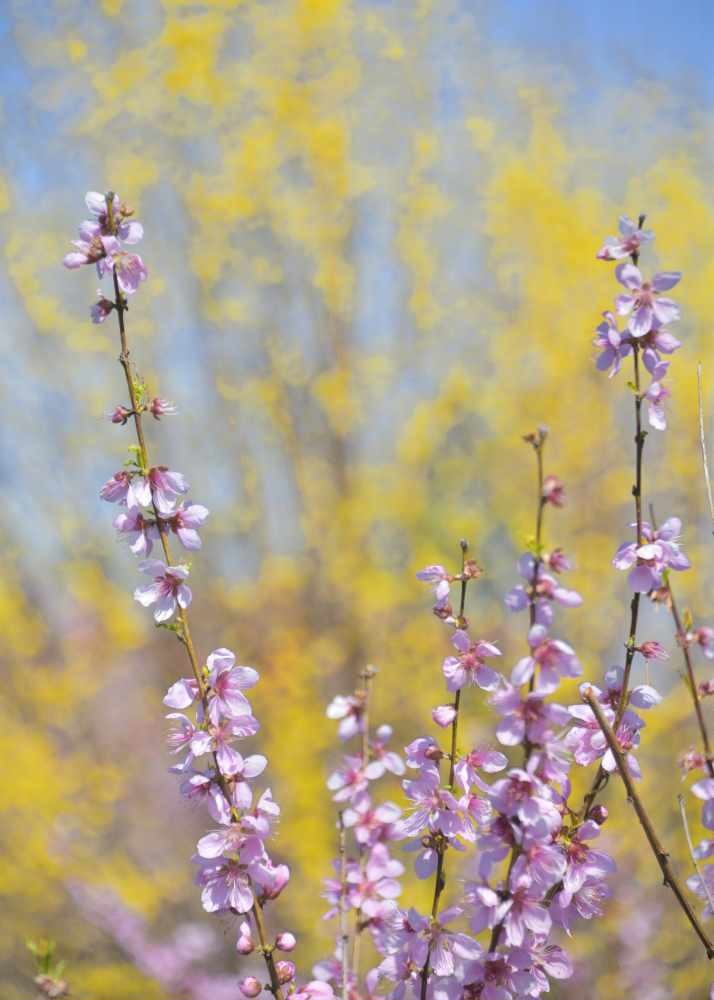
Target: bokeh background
{"points": [[370, 230]]}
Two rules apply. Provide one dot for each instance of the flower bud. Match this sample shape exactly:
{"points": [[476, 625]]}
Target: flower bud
{"points": [[250, 987], [652, 650], [285, 941], [285, 971], [244, 945], [553, 491], [598, 814]]}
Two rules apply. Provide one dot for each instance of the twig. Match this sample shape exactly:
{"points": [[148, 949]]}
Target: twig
{"points": [[703, 444], [661, 856]]}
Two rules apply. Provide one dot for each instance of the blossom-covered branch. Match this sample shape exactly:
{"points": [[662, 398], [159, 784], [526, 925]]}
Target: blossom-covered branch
{"points": [[661, 856], [235, 871]]}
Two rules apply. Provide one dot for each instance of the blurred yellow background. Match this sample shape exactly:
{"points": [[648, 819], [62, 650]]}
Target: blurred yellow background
{"points": [[371, 232]]}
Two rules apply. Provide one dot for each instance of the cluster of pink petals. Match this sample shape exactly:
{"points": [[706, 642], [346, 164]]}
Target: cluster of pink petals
{"points": [[658, 552], [629, 241], [100, 242]]}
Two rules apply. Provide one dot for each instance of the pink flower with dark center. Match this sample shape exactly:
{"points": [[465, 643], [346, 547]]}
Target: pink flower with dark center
{"points": [[127, 488], [167, 591], [485, 759], [348, 780], [553, 657], [644, 303], [583, 863], [469, 666], [218, 739], [184, 522], [371, 824], [92, 250], [659, 551], [532, 717], [378, 879], [227, 683], [629, 241], [435, 809], [166, 487], [225, 886], [523, 909], [139, 531]]}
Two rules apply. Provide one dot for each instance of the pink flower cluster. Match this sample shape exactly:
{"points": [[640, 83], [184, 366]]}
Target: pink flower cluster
{"points": [[649, 313], [100, 242]]}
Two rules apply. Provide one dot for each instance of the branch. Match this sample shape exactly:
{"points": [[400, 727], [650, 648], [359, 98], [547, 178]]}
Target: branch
{"points": [[661, 856]]}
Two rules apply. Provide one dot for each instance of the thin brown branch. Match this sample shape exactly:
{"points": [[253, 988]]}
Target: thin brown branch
{"points": [[692, 855], [691, 681], [661, 856]]}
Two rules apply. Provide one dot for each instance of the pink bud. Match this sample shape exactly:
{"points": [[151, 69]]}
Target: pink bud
{"points": [[553, 491], [443, 715], [285, 971], [706, 688], [285, 941], [161, 407], [250, 987], [598, 814], [652, 650], [557, 561], [244, 945], [120, 415]]}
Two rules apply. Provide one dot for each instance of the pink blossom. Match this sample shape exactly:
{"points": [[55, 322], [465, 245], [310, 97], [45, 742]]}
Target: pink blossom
{"points": [[466, 768], [440, 581], [469, 666], [704, 637], [285, 941], [166, 487], [159, 408], [225, 886], [652, 650], [655, 397], [218, 739], [348, 780], [523, 909], [91, 250], [382, 759], [631, 238], [644, 304], [350, 711], [613, 345], [371, 823], [435, 808], [553, 657], [530, 718], [168, 590], [378, 879], [553, 491], [118, 225], [140, 532], [227, 683], [659, 551], [184, 521], [128, 488], [182, 694]]}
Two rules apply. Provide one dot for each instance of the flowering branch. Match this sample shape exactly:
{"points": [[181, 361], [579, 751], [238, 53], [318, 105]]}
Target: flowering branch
{"points": [[236, 872], [661, 856]]}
